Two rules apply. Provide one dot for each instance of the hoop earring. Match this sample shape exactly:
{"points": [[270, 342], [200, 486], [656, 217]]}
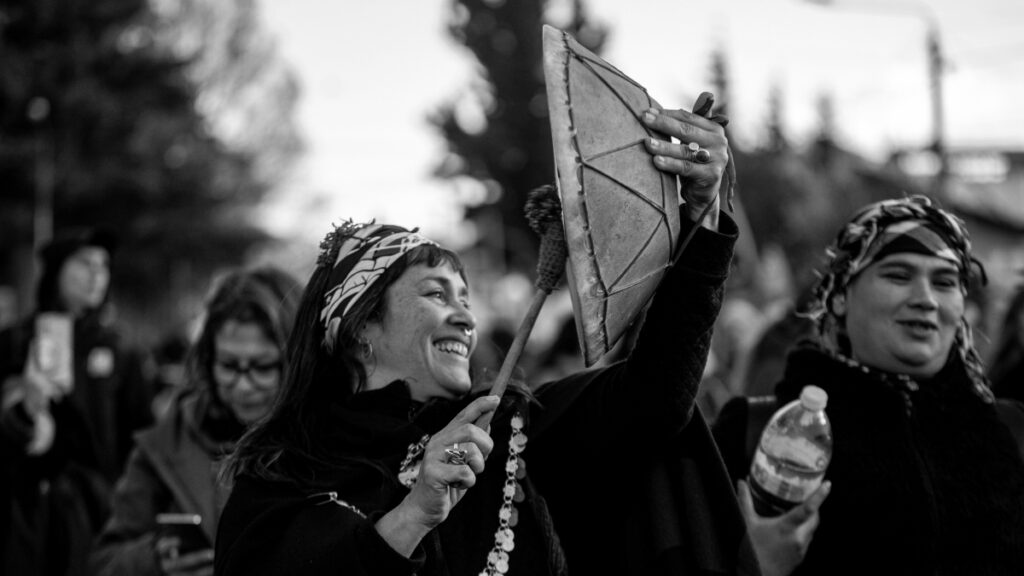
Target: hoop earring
{"points": [[365, 349]]}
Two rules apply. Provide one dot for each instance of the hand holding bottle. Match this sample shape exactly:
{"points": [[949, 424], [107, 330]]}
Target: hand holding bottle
{"points": [[792, 455], [780, 542]]}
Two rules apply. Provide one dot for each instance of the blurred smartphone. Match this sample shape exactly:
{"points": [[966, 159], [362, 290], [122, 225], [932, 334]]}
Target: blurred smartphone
{"points": [[187, 528], [53, 349]]}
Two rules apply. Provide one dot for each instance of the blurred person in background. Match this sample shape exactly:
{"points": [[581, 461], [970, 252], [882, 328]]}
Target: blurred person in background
{"points": [[73, 393], [1006, 370], [766, 361], [372, 460], [926, 476], [169, 358], [234, 370]]}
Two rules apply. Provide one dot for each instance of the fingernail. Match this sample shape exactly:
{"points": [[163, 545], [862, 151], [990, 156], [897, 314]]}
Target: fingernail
{"points": [[653, 142], [648, 117]]}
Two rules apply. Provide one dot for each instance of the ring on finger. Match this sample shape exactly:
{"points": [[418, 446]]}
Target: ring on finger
{"points": [[700, 155], [455, 455]]}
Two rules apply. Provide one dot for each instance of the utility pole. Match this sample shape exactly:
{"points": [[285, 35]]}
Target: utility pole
{"points": [[936, 72]]}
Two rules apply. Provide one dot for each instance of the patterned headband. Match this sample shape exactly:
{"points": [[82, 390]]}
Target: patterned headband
{"points": [[892, 226], [364, 252]]}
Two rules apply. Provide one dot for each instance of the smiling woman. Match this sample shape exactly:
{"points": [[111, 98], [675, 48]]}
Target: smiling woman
{"points": [[375, 458], [922, 461], [375, 441], [912, 305], [426, 335]]}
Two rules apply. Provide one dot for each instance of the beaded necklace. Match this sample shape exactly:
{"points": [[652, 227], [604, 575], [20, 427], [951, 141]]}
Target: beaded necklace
{"points": [[512, 493], [902, 383], [409, 469]]}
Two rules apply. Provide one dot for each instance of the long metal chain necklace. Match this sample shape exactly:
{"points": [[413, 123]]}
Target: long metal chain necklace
{"points": [[512, 493]]}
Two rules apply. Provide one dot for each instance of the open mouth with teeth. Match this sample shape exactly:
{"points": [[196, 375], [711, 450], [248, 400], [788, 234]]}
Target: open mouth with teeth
{"points": [[919, 326], [452, 347]]}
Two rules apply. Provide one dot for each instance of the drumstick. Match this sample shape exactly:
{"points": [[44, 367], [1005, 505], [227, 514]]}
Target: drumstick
{"points": [[544, 213]]}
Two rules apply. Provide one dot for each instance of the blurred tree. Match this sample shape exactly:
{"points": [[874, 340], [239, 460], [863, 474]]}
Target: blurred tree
{"points": [[796, 198], [500, 136], [776, 142], [245, 91], [721, 87], [824, 145], [101, 124]]}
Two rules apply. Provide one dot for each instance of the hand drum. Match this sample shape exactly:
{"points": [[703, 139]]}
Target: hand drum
{"points": [[621, 214]]}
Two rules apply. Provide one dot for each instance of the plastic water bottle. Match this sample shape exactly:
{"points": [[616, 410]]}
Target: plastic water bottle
{"points": [[793, 454]]}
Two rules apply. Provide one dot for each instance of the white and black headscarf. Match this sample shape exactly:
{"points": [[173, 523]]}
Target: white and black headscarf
{"points": [[909, 224], [364, 253]]}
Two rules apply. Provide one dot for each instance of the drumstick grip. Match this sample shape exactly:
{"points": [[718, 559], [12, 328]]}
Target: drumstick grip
{"points": [[544, 213], [514, 352]]}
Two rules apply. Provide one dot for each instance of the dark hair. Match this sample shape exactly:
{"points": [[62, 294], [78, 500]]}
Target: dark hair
{"points": [[318, 379], [265, 296]]}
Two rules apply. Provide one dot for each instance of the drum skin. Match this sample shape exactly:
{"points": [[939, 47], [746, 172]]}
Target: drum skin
{"points": [[620, 213]]}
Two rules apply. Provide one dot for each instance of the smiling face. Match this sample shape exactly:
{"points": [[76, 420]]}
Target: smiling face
{"points": [[902, 313], [246, 369], [426, 335]]}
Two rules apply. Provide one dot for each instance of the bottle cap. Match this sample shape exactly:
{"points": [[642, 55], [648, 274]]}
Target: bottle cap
{"points": [[813, 398]]}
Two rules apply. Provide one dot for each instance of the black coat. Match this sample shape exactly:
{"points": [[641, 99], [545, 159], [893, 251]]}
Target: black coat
{"points": [[618, 457], [52, 505], [926, 478]]}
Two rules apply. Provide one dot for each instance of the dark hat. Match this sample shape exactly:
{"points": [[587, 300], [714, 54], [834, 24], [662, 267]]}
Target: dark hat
{"points": [[67, 241], [57, 251]]}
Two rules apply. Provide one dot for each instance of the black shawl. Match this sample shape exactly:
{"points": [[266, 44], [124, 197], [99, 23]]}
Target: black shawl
{"points": [[925, 477]]}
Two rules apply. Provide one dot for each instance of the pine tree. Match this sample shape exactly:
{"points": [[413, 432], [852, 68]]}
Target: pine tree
{"points": [[720, 84], [775, 139], [512, 152], [99, 126]]}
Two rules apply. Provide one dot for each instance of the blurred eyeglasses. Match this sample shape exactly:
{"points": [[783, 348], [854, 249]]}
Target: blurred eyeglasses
{"points": [[262, 375]]}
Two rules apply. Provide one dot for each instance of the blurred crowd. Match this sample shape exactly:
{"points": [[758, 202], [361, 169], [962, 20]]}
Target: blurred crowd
{"points": [[101, 438]]}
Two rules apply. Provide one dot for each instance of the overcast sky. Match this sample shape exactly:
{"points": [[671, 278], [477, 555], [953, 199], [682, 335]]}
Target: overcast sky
{"points": [[371, 72]]}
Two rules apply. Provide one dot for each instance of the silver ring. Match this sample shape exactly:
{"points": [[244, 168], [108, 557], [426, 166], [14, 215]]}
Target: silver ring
{"points": [[455, 455], [699, 154]]}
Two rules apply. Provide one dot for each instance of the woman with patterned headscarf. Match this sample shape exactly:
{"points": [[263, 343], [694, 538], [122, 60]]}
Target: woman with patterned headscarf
{"points": [[925, 477], [372, 462]]}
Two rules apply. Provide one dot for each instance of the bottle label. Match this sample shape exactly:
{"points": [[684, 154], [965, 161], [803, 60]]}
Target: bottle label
{"points": [[784, 481]]}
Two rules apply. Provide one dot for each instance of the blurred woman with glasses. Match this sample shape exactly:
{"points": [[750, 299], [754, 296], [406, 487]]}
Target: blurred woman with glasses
{"points": [[234, 369]]}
